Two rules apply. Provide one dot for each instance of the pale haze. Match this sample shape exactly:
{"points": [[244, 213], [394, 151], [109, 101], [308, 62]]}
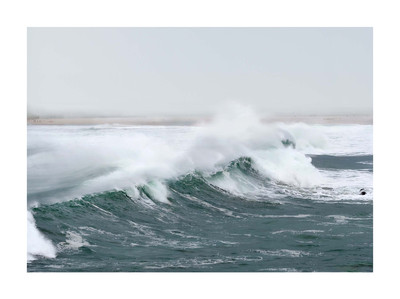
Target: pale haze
{"points": [[196, 71]]}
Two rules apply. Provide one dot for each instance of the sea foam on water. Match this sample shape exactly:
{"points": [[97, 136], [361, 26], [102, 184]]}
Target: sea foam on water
{"points": [[37, 244]]}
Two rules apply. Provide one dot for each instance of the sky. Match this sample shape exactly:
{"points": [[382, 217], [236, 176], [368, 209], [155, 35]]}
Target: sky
{"points": [[197, 71]]}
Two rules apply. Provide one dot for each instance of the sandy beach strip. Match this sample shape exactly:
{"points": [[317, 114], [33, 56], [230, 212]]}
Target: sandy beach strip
{"points": [[190, 121]]}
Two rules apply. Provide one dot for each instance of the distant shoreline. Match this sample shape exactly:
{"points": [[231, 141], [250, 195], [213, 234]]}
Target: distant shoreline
{"points": [[192, 121]]}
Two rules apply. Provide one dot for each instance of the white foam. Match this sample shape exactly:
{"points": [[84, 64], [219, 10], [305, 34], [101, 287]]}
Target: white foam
{"points": [[73, 241], [345, 185], [37, 244], [288, 166], [157, 191], [67, 162], [283, 252]]}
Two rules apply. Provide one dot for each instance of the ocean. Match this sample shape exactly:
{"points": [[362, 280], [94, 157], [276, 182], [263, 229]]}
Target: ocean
{"points": [[233, 195]]}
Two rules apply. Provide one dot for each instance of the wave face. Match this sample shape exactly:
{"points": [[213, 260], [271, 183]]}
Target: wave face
{"points": [[233, 195]]}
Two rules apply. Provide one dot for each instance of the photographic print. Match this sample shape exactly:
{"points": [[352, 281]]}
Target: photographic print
{"points": [[199, 149]]}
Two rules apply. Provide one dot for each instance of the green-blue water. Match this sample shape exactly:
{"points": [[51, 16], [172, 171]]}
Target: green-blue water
{"points": [[203, 224]]}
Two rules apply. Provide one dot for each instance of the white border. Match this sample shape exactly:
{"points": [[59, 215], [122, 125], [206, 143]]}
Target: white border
{"points": [[15, 16]]}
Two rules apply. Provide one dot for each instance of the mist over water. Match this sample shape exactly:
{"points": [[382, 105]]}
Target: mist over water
{"points": [[232, 195]]}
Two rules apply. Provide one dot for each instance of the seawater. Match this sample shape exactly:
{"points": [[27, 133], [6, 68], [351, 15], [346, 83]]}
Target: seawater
{"points": [[233, 195]]}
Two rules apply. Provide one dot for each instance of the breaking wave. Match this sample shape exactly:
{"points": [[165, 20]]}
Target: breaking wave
{"points": [[92, 187]]}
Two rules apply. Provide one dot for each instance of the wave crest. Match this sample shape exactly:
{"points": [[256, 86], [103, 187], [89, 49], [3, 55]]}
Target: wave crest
{"points": [[133, 156]]}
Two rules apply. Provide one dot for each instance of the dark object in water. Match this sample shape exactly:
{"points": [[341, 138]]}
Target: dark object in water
{"points": [[362, 191]]}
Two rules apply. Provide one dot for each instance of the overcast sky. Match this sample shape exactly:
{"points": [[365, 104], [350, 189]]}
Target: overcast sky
{"points": [[194, 71]]}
